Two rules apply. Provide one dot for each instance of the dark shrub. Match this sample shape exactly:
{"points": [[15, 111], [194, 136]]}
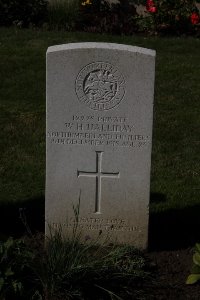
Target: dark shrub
{"points": [[63, 14], [100, 16], [22, 12]]}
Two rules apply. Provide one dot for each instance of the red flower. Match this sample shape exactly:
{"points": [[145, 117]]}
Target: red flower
{"points": [[150, 6], [195, 18]]}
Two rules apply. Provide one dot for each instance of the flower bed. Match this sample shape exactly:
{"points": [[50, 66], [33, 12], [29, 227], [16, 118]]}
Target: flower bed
{"points": [[180, 16], [105, 16]]}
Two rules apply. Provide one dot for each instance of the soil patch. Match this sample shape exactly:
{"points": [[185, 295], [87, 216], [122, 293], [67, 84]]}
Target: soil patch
{"points": [[172, 269]]}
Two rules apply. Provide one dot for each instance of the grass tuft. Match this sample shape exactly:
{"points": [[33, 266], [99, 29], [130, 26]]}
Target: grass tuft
{"points": [[66, 268], [71, 269]]}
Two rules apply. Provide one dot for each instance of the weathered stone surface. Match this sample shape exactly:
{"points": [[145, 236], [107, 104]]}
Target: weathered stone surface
{"points": [[99, 133]]}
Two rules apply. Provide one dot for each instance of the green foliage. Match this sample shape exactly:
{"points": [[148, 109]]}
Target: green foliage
{"points": [[101, 16], [63, 14], [22, 13], [92, 15], [7, 251], [13, 260], [68, 268], [195, 272], [172, 16]]}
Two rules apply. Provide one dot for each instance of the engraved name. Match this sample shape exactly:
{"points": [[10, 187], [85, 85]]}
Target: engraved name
{"points": [[93, 130]]}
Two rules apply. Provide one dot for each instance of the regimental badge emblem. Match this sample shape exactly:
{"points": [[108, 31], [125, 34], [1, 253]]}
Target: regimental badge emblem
{"points": [[100, 86]]}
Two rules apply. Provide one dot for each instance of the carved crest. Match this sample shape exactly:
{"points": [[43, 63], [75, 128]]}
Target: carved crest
{"points": [[100, 86]]}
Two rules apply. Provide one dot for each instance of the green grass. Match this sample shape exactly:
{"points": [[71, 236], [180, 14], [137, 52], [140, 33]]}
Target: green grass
{"points": [[68, 269], [175, 157]]}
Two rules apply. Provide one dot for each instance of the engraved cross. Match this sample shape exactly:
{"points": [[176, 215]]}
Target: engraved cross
{"points": [[98, 174]]}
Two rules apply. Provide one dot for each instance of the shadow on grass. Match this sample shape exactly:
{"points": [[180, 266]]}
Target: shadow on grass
{"points": [[168, 230], [11, 214], [173, 229]]}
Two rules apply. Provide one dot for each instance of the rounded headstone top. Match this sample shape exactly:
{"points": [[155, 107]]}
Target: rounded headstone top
{"points": [[108, 46]]}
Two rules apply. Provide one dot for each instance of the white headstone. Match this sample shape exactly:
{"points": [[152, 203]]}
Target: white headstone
{"points": [[99, 133]]}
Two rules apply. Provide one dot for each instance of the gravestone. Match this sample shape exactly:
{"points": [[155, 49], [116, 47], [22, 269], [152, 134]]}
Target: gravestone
{"points": [[99, 134]]}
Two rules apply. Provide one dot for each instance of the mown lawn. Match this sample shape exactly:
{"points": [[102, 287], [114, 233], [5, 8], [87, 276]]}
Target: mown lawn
{"points": [[175, 180]]}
